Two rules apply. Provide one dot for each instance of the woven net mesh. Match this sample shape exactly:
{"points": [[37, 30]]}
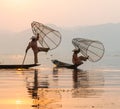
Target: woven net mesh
{"points": [[48, 36], [94, 49]]}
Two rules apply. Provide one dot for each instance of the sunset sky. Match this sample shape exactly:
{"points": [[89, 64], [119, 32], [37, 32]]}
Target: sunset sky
{"points": [[16, 15]]}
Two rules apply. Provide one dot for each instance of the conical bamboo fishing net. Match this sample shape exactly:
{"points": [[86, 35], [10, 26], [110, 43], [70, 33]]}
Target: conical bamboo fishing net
{"points": [[49, 37], [92, 48]]}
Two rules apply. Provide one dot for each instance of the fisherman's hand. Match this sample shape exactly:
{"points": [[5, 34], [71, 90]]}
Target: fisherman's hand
{"points": [[87, 57], [79, 49], [26, 51]]}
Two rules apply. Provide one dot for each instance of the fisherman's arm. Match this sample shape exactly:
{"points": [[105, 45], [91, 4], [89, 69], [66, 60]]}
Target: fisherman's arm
{"points": [[28, 47], [37, 37]]}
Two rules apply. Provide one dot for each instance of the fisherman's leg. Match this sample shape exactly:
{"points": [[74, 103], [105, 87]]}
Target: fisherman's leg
{"points": [[35, 58], [78, 62], [83, 58], [44, 49]]}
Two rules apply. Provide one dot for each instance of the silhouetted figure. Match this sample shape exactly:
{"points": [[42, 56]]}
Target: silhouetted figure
{"points": [[33, 44], [78, 60]]}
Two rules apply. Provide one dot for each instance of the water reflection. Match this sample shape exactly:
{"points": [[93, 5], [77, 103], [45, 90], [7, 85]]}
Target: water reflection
{"points": [[80, 78], [60, 88], [47, 91], [42, 95], [33, 83], [84, 85]]}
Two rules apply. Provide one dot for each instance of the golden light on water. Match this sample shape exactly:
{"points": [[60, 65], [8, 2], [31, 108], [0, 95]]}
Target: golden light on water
{"points": [[16, 101], [19, 69], [19, 102]]}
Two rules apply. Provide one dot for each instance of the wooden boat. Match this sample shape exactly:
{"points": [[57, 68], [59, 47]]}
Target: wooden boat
{"points": [[17, 66], [60, 64]]}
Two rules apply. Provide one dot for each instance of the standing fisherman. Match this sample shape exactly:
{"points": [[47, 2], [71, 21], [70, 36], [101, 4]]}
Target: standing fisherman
{"points": [[33, 44]]}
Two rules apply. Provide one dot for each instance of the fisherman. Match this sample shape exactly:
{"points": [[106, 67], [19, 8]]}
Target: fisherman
{"points": [[33, 44], [78, 60]]}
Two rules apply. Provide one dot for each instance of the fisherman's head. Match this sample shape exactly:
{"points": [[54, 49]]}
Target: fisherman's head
{"points": [[76, 50], [37, 34], [33, 38]]}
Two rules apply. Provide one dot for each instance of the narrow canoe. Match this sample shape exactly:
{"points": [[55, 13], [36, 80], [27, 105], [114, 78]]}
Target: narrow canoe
{"points": [[63, 64], [16, 66]]}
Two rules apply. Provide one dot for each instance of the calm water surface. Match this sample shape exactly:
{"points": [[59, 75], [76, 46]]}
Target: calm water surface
{"points": [[50, 88]]}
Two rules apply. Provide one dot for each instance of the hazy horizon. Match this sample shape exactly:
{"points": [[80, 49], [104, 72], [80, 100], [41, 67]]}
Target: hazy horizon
{"points": [[13, 45], [108, 34]]}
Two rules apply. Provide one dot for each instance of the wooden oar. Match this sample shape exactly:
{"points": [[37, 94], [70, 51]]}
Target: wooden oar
{"points": [[24, 59]]}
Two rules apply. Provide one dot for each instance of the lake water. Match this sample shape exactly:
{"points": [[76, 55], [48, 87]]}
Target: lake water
{"points": [[93, 86]]}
